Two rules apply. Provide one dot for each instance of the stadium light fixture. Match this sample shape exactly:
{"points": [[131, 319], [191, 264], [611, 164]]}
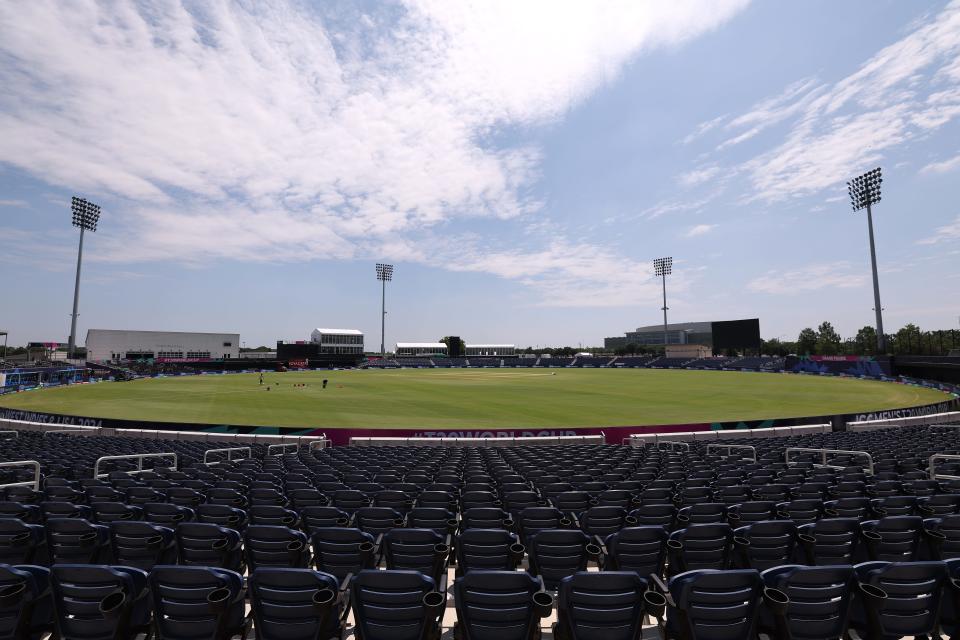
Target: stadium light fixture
{"points": [[663, 267], [864, 192], [384, 275], [86, 215]]}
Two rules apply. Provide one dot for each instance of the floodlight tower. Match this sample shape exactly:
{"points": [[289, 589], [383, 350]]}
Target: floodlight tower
{"points": [[384, 275], [664, 267], [864, 192], [85, 215]]}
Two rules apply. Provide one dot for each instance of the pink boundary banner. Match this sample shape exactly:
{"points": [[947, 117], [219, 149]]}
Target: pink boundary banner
{"points": [[341, 436]]}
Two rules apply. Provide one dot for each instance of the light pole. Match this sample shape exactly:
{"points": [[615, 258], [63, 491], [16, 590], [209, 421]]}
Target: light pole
{"points": [[864, 192], [384, 275], [85, 215], [664, 267]]}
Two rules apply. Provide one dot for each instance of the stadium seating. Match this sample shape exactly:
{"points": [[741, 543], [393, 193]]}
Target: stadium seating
{"points": [[318, 533]]}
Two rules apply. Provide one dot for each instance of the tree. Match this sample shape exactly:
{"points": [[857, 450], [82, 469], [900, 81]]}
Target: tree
{"points": [[828, 340], [462, 350], [908, 339], [866, 340], [807, 341]]}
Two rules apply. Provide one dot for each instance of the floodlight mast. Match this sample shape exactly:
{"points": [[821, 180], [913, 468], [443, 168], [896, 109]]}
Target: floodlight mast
{"points": [[663, 267], [86, 215], [864, 192], [384, 275]]}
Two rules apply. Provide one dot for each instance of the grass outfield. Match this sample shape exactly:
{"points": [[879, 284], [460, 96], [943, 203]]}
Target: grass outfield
{"points": [[475, 398]]}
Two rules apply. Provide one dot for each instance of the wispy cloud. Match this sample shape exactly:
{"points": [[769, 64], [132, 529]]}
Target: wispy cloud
{"points": [[807, 278], [943, 166], [13, 203], [698, 176], [272, 131], [699, 230], [834, 130], [946, 233]]}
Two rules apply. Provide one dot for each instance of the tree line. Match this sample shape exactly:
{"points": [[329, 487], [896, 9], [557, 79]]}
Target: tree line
{"points": [[825, 341]]}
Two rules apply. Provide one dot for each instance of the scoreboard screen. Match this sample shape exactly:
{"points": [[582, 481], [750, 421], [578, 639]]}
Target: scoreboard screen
{"points": [[736, 334]]}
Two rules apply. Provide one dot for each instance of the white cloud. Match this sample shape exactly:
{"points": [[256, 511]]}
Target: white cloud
{"points": [[835, 130], [699, 230], [13, 203], [703, 128], [698, 176], [944, 166], [946, 233], [807, 278], [264, 131]]}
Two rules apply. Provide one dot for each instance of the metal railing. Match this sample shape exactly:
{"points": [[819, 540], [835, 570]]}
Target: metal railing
{"points": [[823, 456], [229, 451], [6, 432], [730, 448], [94, 430], [673, 445], [322, 443], [941, 476], [280, 449], [139, 457], [22, 463]]}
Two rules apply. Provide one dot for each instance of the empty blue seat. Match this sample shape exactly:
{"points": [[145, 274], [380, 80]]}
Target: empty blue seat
{"points": [[197, 603], [396, 605], [765, 544], [77, 541], [700, 546], [97, 601], [898, 599], [209, 545], [711, 605], [295, 604], [275, 546], [557, 553], [820, 599], [487, 549], [340, 551], [22, 543], [142, 544], [499, 605], [26, 605], [642, 550]]}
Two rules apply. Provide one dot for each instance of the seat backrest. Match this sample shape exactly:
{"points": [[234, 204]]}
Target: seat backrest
{"points": [[606, 605], [21, 543], [830, 541], [893, 538], [222, 515], [288, 604], [820, 599], [73, 540], [97, 601], [275, 546], [209, 545], [912, 603], [700, 546], [715, 605], [26, 606], [642, 550], [484, 518], [496, 604], [422, 550], [557, 553], [340, 551], [769, 543], [389, 605], [142, 544], [488, 549], [196, 603]]}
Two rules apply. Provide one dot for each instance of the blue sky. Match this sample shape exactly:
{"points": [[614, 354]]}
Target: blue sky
{"points": [[520, 163]]}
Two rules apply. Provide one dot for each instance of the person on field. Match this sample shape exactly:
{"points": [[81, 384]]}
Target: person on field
{"points": [[324, 383], [261, 378]]}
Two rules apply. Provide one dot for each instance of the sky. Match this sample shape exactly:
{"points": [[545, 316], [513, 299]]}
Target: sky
{"points": [[520, 163]]}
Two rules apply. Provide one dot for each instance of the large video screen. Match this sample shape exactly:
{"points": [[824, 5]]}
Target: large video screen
{"points": [[736, 334]]}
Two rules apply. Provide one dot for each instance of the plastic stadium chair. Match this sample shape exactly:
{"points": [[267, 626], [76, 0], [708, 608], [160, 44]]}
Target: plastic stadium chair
{"points": [[295, 604], [273, 515], [830, 541], [700, 546], [65, 510], [555, 554], [396, 605], [94, 602], [486, 518], [194, 603], [26, 513], [603, 520], [898, 599], [422, 550], [26, 604], [765, 544], [107, 512], [209, 545], [664, 515], [893, 538], [77, 541], [820, 599], [712, 605], [747, 512], [223, 516], [894, 506], [142, 544], [377, 520], [702, 513], [642, 550], [275, 546], [532, 520], [340, 551], [166, 514], [322, 517], [22, 543], [847, 508], [440, 520], [604, 606], [487, 549], [499, 604], [943, 536]]}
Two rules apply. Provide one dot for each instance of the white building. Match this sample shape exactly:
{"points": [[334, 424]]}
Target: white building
{"points": [[113, 344], [426, 349], [491, 350], [342, 341]]}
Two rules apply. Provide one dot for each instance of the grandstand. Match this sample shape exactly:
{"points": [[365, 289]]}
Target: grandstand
{"points": [[764, 530]]}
